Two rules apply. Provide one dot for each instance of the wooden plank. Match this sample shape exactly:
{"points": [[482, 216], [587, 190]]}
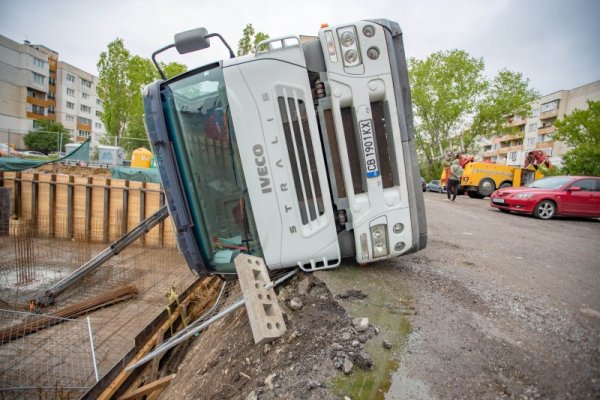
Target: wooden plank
{"points": [[61, 206], [80, 208], [149, 388]]}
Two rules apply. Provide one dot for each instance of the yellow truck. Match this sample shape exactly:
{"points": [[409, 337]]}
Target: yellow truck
{"points": [[480, 179]]}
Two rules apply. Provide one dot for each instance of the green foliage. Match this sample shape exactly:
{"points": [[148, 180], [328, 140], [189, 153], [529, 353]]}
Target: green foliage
{"points": [[46, 139], [455, 103], [250, 40], [121, 78], [581, 130]]}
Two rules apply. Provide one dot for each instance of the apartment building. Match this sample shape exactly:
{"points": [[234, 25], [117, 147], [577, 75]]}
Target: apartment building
{"points": [[35, 85], [536, 132]]}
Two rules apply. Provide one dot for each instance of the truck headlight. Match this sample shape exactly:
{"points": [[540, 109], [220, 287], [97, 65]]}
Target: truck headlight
{"points": [[379, 240], [347, 38], [350, 47], [350, 56]]}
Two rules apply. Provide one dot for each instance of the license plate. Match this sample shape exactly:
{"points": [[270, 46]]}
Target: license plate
{"points": [[498, 200], [368, 144]]}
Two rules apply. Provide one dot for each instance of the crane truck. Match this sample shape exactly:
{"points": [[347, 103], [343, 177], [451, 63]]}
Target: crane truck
{"points": [[302, 152]]}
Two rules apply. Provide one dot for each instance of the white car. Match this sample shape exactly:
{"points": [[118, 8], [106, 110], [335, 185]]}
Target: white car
{"points": [[33, 153]]}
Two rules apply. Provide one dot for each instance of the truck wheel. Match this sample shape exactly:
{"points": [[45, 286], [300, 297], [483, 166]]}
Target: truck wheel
{"points": [[474, 195], [486, 187], [505, 185], [545, 209]]}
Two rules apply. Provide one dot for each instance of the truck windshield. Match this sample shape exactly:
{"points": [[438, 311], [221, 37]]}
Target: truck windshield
{"points": [[199, 125]]}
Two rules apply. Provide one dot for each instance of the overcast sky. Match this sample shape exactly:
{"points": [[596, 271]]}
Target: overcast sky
{"points": [[554, 43]]}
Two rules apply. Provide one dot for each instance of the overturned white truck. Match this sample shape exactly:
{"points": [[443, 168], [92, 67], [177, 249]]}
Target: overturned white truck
{"points": [[302, 153]]}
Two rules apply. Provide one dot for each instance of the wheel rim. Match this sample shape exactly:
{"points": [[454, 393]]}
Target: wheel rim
{"points": [[546, 210]]}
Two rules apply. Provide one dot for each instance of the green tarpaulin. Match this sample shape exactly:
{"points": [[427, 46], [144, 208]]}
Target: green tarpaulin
{"points": [[19, 164], [136, 174]]}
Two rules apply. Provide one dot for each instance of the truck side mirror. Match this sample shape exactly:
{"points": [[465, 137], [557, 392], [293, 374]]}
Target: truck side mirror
{"points": [[192, 40], [188, 41]]}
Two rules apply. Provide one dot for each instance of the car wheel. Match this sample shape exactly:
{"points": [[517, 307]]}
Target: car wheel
{"points": [[505, 185], [486, 187], [545, 209]]}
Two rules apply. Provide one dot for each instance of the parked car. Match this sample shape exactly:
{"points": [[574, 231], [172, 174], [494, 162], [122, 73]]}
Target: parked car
{"points": [[548, 197], [33, 153], [435, 186], [423, 184]]}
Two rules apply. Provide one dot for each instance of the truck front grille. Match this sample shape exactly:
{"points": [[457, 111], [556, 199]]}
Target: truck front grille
{"points": [[301, 154]]}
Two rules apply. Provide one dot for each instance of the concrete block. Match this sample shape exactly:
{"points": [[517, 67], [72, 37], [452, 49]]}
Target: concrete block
{"points": [[262, 307]]}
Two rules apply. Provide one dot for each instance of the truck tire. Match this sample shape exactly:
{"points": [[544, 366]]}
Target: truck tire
{"points": [[505, 185], [545, 209], [486, 187], [474, 195]]}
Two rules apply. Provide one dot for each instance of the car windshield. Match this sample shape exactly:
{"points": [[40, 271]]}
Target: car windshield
{"points": [[196, 109], [553, 182]]}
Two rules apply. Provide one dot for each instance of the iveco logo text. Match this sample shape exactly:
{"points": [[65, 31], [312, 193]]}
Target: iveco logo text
{"points": [[261, 167]]}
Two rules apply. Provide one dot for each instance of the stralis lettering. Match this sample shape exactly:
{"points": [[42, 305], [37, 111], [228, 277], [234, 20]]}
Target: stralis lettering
{"points": [[261, 168]]}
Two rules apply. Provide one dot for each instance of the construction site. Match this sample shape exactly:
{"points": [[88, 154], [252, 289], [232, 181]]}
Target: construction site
{"points": [[52, 224]]}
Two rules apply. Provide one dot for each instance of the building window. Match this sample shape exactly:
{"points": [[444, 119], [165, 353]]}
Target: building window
{"points": [[84, 95], [70, 132], [50, 109], [86, 83], [85, 121], [532, 127], [70, 78], [531, 141], [37, 78], [85, 109], [51, 95], [69, 118], [98, 113], [535, 112], [98, 125], [70, 92], [51, 81], [37, 109], [99, 102], [84, 133], [70, 105], [553, 105], [37, 62]]}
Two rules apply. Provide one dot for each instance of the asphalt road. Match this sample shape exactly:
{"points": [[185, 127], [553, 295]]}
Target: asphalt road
{"points": [[506, 306]]}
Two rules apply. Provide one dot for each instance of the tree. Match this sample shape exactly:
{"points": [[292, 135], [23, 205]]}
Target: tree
{"points": [[455, 103], [47, 137], [121, 78], [250, 40], [581, 130]]}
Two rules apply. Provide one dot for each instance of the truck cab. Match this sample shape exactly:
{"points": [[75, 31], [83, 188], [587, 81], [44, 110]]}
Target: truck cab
{"points": [[301, 153]]}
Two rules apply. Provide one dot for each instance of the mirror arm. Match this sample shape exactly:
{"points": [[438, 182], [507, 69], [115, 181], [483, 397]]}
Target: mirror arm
{"points": [[231, 54], [160, 71]]}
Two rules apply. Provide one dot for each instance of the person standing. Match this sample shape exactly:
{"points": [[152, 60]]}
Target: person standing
{"points": [[456, 172]]}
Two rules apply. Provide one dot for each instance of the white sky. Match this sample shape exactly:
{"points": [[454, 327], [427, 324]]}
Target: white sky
{"points": [[554, 43]]}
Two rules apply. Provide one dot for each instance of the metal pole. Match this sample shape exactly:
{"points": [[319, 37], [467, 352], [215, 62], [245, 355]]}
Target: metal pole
{"points": [[92, 346], [8, 151], [201, 327]]}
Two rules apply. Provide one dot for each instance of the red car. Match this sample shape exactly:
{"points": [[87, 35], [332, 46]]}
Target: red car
{"points": [[557, 195]]}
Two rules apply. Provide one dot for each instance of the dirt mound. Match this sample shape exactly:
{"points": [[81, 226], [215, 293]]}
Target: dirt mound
{"points": [[74, 170], [321, 339]]}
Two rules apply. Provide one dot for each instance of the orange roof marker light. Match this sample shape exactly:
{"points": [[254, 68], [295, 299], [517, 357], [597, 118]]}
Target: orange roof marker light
{"points": [[324, 26]]}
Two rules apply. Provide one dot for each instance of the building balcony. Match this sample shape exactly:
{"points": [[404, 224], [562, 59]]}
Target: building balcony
{"points": [[549, 114], [503, 150], [83, 127], [38, 101], [543, 145], [490, 153], [40, 116], [546, 130], [516, 121], [514, 136]]}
